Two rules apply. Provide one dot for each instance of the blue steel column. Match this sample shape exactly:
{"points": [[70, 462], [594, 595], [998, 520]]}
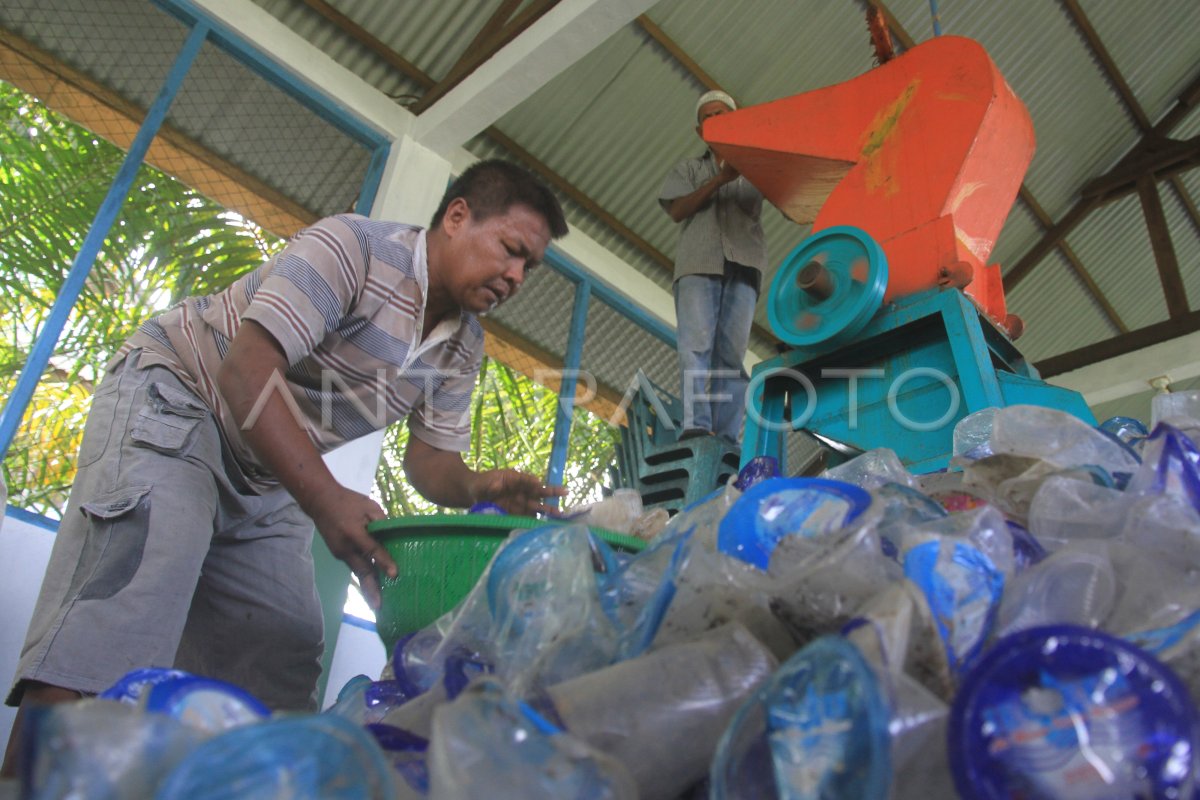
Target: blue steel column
{"points": [[370, 187], [47, 338], [566, 390]]}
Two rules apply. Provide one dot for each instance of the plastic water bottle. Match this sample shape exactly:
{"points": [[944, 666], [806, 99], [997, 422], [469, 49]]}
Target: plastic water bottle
{"points": [[661, 715], [1071, 587], [779, 507], [103, 748], [309, 757], [489, 746], [827, 724]]}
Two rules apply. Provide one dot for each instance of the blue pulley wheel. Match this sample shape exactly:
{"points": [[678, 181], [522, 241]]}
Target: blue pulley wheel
{"points": [[828, 288]]}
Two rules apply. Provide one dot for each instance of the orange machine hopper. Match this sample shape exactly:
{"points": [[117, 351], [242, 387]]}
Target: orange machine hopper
{"points": [[925, 153]]}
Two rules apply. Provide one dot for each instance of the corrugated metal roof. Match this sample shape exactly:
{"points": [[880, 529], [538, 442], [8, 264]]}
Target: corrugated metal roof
{"points": [[129, 46], [1114, 241]]}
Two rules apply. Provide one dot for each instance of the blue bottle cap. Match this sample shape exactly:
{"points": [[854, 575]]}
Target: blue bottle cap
{"points": [[131, 686], [485, 507], [757, 470], [206, 703], [779, 507], [1068, 712]]}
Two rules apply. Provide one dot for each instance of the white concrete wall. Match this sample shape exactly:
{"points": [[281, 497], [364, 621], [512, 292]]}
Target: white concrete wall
{"points": [[359, 652], [24, 553]]}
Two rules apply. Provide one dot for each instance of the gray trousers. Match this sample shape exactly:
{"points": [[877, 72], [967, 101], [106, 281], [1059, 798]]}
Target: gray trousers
{"points": [[165, 557]]}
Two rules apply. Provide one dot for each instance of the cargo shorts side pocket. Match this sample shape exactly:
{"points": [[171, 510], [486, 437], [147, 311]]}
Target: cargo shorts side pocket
{"points": [[118, 526], [100, 422], [165, 423]]}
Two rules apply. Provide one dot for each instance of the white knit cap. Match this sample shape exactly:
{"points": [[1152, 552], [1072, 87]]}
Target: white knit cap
{"points": [[715, 94]]}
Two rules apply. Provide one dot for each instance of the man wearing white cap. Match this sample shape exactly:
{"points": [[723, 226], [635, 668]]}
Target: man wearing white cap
{"points": [[718, 272]]}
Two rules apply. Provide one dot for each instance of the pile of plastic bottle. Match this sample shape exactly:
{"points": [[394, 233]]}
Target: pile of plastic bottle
{"points": [[1023, 625]]}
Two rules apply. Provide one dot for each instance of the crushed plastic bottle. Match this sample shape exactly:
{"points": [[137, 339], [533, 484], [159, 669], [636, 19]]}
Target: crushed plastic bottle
{"points": [[781, 507], [872, 469], [488, 746], [308, 757], [828, 724], [102, 749], [1074, 586], [364, 701], [973, 434], [636, 710], [1180, 409]]}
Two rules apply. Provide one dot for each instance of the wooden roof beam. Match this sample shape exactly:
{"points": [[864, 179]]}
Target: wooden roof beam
{"points": [[1106, 61], [472, 58], [1188, 100], [369, 41], [1119, 345], [1081, 272], [1164, 252], [677, 52], [1153, 155]]}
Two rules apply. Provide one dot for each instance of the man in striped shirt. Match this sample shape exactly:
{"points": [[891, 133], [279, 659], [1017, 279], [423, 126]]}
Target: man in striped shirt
{"points": [[186, 539]]}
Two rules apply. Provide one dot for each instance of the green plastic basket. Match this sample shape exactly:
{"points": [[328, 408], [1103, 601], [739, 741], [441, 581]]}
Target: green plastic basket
{"points": [[440, 558]]}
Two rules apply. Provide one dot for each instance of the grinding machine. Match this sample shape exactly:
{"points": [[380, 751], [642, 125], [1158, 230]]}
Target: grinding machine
{"points": [[893, 323]]}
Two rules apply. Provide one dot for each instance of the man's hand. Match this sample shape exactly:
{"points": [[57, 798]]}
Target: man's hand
{"points": [[683, 207], [341, 516], [441, 477], [728, 173], [284, 447], [516, 492]]}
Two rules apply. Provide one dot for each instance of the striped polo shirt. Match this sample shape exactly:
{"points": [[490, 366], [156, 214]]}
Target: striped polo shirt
{"points": [[346, 300]]}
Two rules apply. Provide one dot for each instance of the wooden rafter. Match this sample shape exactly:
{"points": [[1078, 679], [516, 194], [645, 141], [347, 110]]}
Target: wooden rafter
{"points": [[1052, 238], [1154, 157], [1150, 156], [491, 28], [677, 52], [1164, 252], [368, 40], [1188, 99], [472, 59], [1106, 61], [1185, 198], [1081, 272], [1119, 345]]}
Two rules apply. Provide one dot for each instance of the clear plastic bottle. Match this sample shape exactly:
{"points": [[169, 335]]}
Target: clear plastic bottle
{"points": [[661, 714]]}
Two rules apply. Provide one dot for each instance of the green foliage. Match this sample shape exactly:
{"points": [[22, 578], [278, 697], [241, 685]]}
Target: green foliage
{"points": [[512, 426], [170, 242]]}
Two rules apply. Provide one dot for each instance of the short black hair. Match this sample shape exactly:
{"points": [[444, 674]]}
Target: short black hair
{"points": [[493, 186]]}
